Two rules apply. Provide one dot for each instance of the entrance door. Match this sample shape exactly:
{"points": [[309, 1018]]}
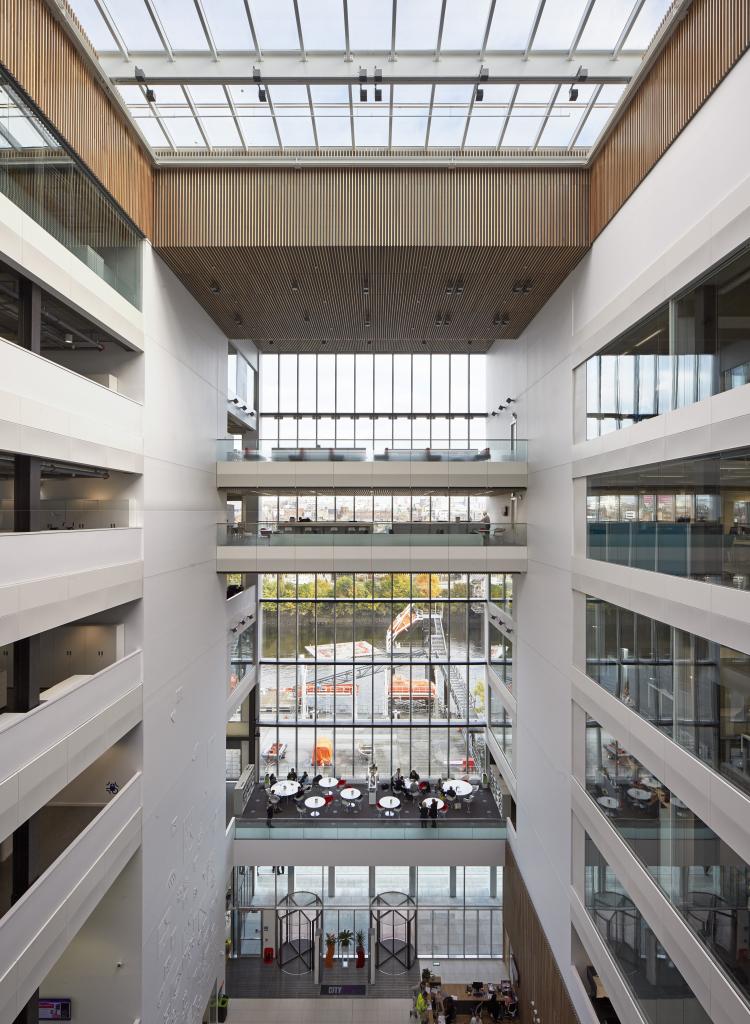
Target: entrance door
{"points": [[250, 932]]}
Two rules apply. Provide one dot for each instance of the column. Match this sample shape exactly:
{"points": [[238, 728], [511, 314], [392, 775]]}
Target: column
{"points": [[493, 882], [413, 882], [452, 883], [371, 881], [29, 315], [290, 872], [27, 486], [331, 882]]}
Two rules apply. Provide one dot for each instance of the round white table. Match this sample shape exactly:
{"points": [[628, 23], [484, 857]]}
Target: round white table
{"points": [[639, 794], [459, 787], [328, 782], [288, 787], [315, 803], [391, 805], [350, 793], [430, 800], [649, 783], [610, 802]]}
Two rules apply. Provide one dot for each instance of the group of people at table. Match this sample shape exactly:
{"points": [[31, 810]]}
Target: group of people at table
{"points": [[300, 791], [435, 1003]]}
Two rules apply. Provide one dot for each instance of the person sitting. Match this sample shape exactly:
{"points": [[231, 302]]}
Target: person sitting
{"points": [[316, 779], [424, 786], [450, 793], [493, 1007], [449, 1009], [414, 775], [291, 775], [303, 778], [273, 779], [300, 789]]}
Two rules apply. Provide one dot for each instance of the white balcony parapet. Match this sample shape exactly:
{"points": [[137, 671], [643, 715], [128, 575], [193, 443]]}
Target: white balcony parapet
{"points": [[53, 577], [53, 412], [43, 750], [38, 928]]}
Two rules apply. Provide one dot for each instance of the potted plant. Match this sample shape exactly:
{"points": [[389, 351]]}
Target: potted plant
{"points": [[330, 949], [222, 1008], [360, 949], [345, 939]]}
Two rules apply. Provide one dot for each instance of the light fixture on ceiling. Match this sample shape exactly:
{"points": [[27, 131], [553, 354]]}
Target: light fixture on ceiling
{"points": [[378, 94], [582, 73], [68, 338], [295, 286], [262, 95], [215, 287], [362, 94], [367, 320], [438, 319], [449, 288], [365, 287], [572, 94], [306, 317], [447, 319], [522, 286], [510, 401], [150, 95], [459, 287], [501, 320], [140, 75], [238, 319]]}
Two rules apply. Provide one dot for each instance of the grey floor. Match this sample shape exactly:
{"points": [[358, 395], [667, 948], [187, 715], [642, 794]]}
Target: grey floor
{"points": [[250, 978]]}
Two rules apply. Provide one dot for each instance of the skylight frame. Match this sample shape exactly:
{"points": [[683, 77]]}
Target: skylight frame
{"points": [[447, 66]]}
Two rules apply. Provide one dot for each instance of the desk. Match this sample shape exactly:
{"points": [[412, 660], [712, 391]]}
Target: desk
{"points": [[391, 805], [315, 803], [460, 787], [639, 794], [286, 788]]}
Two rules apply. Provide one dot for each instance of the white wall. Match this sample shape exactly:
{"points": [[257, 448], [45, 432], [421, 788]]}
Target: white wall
{"points": [[184, 651], [690, 211]]}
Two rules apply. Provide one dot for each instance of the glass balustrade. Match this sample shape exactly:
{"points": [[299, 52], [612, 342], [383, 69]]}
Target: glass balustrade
{"points": [[381, 534], [347, 449]]}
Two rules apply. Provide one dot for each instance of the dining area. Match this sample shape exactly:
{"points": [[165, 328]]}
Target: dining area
{"points": [[426, 803]]}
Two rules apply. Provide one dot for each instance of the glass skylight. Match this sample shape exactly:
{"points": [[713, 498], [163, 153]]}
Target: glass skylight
{"points": [[421, 59]]}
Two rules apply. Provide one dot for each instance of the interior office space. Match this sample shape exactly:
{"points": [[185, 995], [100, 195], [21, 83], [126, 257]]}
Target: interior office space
{"points": [[374, 510]]}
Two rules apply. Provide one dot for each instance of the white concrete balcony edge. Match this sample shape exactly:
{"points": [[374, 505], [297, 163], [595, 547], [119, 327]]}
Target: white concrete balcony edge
{"points": [[38, 254], [239, 693], [45, 749], [706, 609], [54, 577], [368, 558], [52, 412], [38, 928], [502, 475], [714, 424], [619, 994], [332, 851], [711, 986], [506, 768], [502, 692], [242, 606], [713, 798]]}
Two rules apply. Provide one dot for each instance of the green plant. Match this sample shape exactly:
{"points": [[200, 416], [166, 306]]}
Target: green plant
{"points": [[330, 939], [360, 937], [345, 938]]}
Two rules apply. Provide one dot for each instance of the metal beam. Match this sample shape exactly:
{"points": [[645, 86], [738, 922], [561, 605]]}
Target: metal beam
{"points": [[160, 30], [249, 16], [411, 69], [628, 26], [487, 28], [206, 28], [109, 21], [581, 26]]}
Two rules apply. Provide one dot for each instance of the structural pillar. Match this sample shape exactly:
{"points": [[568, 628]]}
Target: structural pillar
{"points": [[493, 882], [290, 872], [452, 883], [331, 882], [30, 315], [371, 881], [27, 488], [413, 882]]}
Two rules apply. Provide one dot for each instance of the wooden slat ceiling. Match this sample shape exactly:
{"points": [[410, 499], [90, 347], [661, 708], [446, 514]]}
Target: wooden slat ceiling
{"points": [[308, 258], [407, 289]]}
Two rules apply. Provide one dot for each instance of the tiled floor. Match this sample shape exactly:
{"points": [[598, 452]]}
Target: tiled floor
{"points": [[325, 1011]]}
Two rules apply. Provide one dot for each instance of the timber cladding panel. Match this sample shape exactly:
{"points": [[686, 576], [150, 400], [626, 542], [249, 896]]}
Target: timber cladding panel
{"points": [[504, 206], [36, 49], [540, 978], [703, 48]]}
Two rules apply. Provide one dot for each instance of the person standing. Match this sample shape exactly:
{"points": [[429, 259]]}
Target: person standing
{"points": [[423, 814], [434, 813]]}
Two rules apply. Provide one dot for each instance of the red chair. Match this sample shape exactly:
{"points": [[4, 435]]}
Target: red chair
{"points": [[328, 799], [341, 783]]}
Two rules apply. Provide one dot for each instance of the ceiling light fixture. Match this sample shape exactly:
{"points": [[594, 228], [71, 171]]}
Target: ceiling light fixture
{"points": [[378, 94], [572, 94], [367, 320], [306, 317], [261, 94], [522, 286], [362, 94], [478, 94], [447, 318], [68, 338], [459, 287], [484, 73], [295, 286], [140, 74], [238, 319], [438, 319], [582, 73], [365, 287], [215, 287], [510, 401], [378, 76], [449, 288], [150, 96]]}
